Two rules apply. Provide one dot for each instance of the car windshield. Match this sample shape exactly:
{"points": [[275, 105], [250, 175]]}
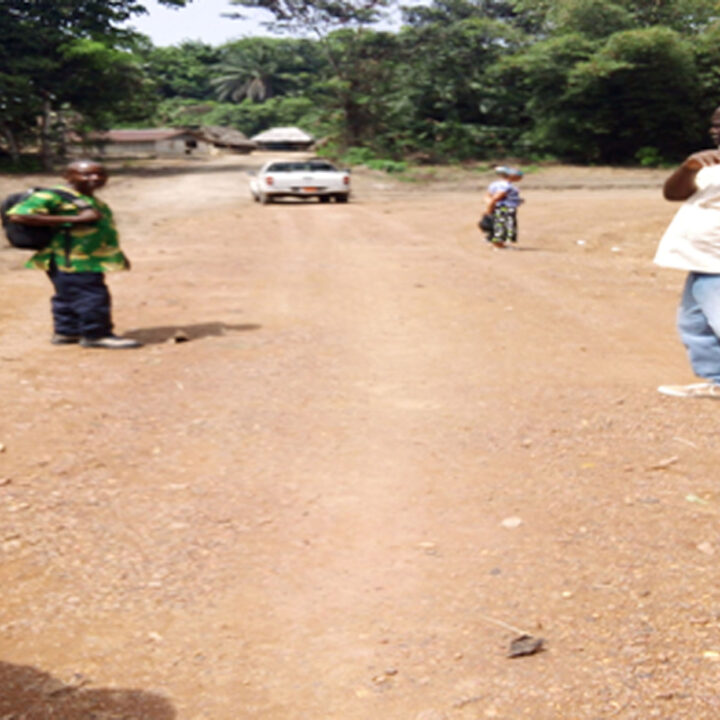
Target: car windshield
{"points": [[312, 166]]}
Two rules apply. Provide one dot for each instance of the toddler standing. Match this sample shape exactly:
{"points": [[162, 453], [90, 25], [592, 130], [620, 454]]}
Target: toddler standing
{"points": [[501, 203]]}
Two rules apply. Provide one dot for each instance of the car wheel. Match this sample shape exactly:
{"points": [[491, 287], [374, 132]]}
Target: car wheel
{"points": [[324, 198], [254, 197], [265, 199], [341, 198]]}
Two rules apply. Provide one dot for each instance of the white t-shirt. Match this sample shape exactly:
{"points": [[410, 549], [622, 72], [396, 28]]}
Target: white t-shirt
{"points": [[512, 194], [692, 240]]}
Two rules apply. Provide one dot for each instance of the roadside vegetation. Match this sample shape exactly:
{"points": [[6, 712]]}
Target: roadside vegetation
{"points": [[581, 81]]}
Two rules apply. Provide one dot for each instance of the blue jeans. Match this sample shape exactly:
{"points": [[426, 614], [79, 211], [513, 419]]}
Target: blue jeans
{"points": [[699, 324]]}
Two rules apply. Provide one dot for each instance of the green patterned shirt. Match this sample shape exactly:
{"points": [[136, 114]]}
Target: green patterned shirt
{"points": [[93, 247]]}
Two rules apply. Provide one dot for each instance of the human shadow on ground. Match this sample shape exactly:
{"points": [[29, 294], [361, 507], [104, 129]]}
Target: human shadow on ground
{"points": [[184, 333], [27, 693], [517, 248]]}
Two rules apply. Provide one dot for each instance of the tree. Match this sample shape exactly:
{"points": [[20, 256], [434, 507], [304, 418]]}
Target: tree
{"points": [[685, 16], [104, 84], [322, 18], [444, 91], [591, 18], [318, 17], [443, 12], [640, 89], [601, 103], [528, 91], [357, 95], [260, 68], [36, 47], [706, 49], [183, 70]]}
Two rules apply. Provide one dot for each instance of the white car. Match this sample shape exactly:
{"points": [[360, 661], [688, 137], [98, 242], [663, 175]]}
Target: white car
{"points": [[300, 179]]}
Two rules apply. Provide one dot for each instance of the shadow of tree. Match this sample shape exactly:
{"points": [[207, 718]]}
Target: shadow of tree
{"points": [[30, 694], [182, 333]]}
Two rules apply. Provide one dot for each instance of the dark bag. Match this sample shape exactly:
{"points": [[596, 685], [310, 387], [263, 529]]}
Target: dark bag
{"points": [[32, 237], [486, 223]]}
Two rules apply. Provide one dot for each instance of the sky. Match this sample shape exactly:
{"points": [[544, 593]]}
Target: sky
{"points": [[200, 20]]}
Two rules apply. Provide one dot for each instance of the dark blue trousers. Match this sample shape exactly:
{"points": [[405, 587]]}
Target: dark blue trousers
{"points": [[81, 304]]}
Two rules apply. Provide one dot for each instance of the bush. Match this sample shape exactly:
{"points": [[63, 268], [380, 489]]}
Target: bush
{"points": [[26, 164], [365, 156], [388, 166], [649, 157], [358, 156]]}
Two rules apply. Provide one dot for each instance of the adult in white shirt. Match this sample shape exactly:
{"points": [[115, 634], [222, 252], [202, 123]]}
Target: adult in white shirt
{"points": [[692, 243]]}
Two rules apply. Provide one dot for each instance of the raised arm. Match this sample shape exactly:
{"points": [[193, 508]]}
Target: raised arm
{"points": [[681, 184]]}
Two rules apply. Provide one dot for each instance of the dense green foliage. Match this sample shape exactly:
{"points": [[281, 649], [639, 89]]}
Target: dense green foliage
{"points": [[63, 59], [576, 80]]}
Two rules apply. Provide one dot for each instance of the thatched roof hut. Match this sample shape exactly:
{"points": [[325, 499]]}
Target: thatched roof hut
{"points": [[226, 138]]}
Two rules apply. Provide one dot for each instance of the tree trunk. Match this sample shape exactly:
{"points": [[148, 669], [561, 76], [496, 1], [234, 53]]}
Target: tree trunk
{"points": [[12, 145], [45, 140]]}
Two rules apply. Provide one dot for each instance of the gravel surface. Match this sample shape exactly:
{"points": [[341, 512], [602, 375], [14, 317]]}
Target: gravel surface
{"points": [[359, 455]]}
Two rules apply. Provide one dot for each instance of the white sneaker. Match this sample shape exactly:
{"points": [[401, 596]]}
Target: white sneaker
{"points": [[110, 342], [695, 390]]}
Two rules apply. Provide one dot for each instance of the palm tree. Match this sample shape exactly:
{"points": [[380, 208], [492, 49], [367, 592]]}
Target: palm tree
{"points": [[252, 69]]}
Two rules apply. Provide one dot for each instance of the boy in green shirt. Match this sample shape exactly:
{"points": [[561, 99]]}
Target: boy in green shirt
{"points": [[79, 254]]}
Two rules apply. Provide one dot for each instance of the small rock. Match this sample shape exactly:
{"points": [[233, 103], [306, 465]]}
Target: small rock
{"points": [[20, 506], [512, 522], [525, 645], [430, 715], [665, 463], [706, 547]]}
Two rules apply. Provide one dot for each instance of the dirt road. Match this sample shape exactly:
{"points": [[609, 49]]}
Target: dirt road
{"points": [[385, 451]]}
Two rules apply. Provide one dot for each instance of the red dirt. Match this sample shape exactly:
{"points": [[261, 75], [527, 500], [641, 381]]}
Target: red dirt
{"points": [[385, 451]]}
